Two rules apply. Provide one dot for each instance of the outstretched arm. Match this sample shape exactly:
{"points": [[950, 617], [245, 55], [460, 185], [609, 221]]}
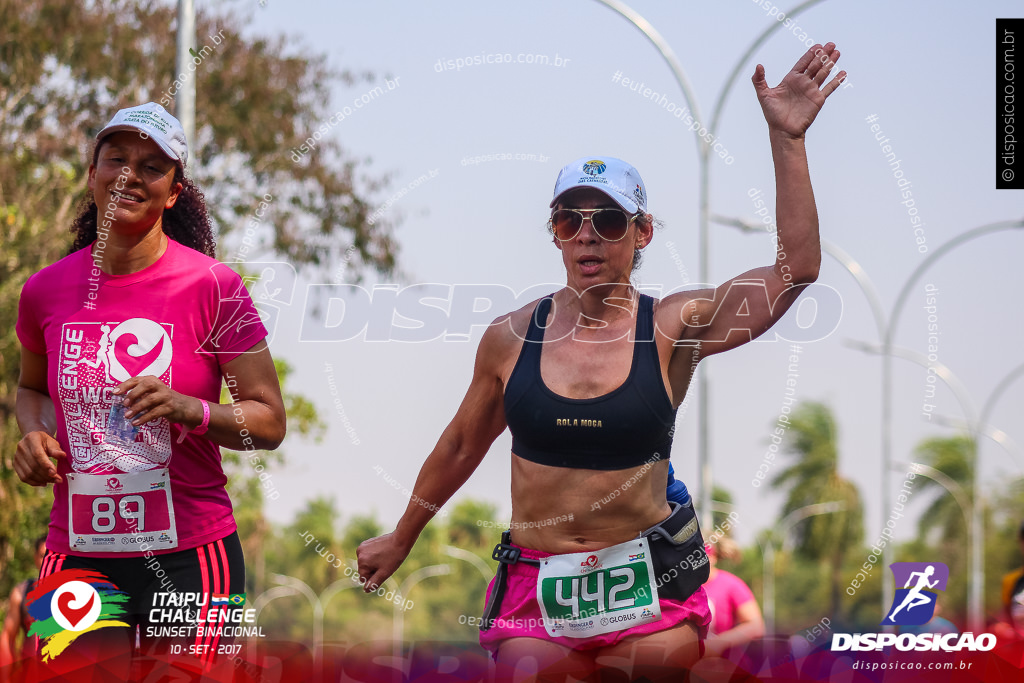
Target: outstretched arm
{"points": [[745, 307], [464, 443], [749, 625]]}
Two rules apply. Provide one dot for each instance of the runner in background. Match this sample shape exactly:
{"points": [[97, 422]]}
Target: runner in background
{"points": [[18, 620], [1012, 600], [735, 616]]}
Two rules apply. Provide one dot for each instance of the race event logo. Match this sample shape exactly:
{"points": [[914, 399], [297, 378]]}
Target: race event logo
{"points": [[914, 604], [94, 358], [594, 167], [72, 602], [592, 563]]}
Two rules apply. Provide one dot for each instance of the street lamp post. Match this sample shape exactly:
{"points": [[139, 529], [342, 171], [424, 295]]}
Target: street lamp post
{"points": [[976, 616], [399, 615], [768, 553], [302, 588], [993, 433], [945, 481], [289, 585], [887, 330], [473, 559], [185, 99], [975, 427]]}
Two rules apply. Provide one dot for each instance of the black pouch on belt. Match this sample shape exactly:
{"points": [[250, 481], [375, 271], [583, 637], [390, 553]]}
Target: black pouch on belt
{"points": [[680, 562], [505, 553]]}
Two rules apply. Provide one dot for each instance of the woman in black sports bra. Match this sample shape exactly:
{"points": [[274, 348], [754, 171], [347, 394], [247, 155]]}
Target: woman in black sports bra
{"points": [[597, 563]]}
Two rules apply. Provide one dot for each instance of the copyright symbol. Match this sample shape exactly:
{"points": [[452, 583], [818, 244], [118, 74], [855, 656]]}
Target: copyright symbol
{"points": [[1007, 174]]}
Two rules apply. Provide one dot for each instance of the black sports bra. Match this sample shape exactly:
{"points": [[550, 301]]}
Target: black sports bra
{"points": [[624, 428]]}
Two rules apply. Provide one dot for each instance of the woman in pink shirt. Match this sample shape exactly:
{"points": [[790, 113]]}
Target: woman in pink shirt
{"points": [[735, 617], [125, 345]]}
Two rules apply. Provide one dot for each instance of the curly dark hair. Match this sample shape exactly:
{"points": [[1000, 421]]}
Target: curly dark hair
{"points": [[187, 222]]}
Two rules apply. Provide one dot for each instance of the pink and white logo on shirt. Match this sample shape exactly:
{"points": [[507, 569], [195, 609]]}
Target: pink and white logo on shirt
{"points": [[139, 347], [94, 358]]}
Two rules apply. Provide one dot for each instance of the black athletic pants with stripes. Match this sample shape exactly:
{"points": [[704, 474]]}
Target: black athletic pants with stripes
{"points": [[214, 569]]}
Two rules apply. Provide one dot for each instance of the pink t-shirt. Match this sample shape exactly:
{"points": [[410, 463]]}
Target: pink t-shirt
{"points": [[180, 319], [726, 592]]}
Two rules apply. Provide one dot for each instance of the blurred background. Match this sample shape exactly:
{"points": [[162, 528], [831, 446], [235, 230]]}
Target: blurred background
{"points": [[433, 135]]}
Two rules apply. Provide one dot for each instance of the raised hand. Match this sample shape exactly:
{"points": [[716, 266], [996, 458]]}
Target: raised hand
{"points": [[791, 106]]}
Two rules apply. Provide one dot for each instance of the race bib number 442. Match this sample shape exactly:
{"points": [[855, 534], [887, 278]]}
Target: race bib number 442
{"points": [[592, 593]]}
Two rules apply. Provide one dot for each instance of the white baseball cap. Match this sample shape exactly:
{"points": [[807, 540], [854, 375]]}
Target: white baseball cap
{"points": [[153, 120], [614, 177]]}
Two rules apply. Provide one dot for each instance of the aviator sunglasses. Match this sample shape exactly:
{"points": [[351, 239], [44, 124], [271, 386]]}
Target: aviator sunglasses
{"points": [[610, 225]]}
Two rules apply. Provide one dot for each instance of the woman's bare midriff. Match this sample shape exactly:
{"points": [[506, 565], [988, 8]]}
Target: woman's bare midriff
{"points": [[562, 510]]}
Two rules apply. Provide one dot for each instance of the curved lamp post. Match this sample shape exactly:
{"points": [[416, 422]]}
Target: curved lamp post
{"points": [[768, 552], [410, 581]]}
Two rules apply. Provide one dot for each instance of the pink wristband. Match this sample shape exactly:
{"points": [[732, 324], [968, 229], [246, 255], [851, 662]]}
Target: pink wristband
{"points": [[201, 427], [205, 424]]}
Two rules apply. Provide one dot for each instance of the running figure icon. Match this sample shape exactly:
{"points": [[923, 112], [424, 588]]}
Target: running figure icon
{"points": [[914, 598]]}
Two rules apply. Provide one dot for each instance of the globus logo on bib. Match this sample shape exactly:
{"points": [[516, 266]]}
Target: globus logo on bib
{"points": [[128, 540], [914, 605], [617, 619]]}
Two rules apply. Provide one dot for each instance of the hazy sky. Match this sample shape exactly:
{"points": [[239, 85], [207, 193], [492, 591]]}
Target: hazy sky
{"points": [[925, 70]]}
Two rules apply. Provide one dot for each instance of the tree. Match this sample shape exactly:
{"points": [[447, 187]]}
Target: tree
{"points": [[467, 528], [945, 525], [814, 478], [953, 457]]}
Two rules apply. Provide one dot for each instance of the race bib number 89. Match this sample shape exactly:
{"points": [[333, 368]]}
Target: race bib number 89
{"points": [[120, 513], [588, 594]]}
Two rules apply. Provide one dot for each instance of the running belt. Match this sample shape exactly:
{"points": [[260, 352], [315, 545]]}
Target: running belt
{"points": [[627, 427]]}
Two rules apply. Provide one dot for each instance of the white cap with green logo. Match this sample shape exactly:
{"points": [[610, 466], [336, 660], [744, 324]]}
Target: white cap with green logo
{"points": [[614, 177]]}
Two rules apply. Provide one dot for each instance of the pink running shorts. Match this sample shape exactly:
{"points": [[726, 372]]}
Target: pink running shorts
{"points": [[520, 614]]}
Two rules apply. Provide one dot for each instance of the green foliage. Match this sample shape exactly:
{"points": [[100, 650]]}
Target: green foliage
{"points": [[814, 478], [464, 528], [954, 457], [308, 550]]}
